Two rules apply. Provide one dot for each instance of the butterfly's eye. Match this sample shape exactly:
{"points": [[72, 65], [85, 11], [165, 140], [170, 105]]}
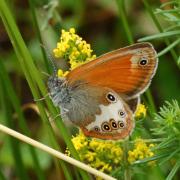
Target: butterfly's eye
{"points": [[143, 61], [110, 97], [113, 124], [96, 128], [121, 124], [105, 126], [122, 113]]}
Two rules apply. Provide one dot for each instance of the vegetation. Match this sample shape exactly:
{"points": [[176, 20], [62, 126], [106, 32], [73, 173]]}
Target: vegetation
{"points": [[151, 152]]}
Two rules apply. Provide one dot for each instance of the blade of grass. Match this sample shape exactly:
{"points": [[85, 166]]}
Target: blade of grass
{"points": [[172, 27], [150, 101], [127, 172], [53, 152], [160, 11], [15, 148], [50, 132], [166, 142], [157, 157], [171, 17], [169, 157], [33, 11], [33, 76], [121, 8], [42, 111], [178, 61], [156, 22], [2, 177], [168, 48], [123, 17], [22, 122], [173, 171], [160, 35], [150, 140], [168, 3], [40, 106], [122, 14]]}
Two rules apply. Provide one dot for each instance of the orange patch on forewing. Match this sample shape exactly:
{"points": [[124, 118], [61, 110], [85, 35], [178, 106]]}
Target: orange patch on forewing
{"points": [[118, 70]]}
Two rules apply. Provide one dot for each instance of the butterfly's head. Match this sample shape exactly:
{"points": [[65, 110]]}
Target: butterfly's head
{"points": [[54, 82], [59, 92]]}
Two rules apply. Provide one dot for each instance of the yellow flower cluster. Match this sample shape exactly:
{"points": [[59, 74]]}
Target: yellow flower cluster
{"points": [[141, 111], [102, 155], [74, 49], [141, 150]]}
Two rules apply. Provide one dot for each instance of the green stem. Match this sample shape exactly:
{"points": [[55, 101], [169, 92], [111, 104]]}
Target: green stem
{"points": [[167, 42], [173, 171], [127, 171], [2, 177], [31, 2], [121, 8], [130, 39], [160, 35], [150, 101], [151, 140], [122, 14], [15, 147], [33, 77], [168, 48], [22, 122]]}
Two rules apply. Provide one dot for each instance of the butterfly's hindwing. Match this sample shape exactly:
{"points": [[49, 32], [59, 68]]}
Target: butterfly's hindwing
{"points": [[114, 122]]}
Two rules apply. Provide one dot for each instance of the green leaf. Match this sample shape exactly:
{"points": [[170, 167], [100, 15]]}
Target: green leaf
{"points": [[168, 48], [156, 157], [174, 170], [160, 35]]}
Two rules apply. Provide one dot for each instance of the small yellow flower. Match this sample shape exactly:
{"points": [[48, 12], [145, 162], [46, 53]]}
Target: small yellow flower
{"points": [[141, 111], [141, 150], [90, 156], [72, 30], [61, 73]]}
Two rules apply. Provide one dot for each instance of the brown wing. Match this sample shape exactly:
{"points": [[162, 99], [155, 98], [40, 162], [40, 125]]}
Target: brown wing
{"points": [[113, 122], [127, 71]]}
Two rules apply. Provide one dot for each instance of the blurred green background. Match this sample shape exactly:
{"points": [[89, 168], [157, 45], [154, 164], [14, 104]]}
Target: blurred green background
{"points": [[100, 23]]}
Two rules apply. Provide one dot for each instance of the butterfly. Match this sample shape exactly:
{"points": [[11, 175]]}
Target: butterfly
{"points": [[101, 96]]}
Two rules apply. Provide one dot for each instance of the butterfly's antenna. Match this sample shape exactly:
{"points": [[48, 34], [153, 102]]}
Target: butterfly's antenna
{"points": [[43, 98], [50, 59]]}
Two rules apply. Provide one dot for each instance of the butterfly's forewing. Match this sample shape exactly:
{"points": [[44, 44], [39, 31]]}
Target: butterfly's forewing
{"points": [[128, 71], [113, 122]]}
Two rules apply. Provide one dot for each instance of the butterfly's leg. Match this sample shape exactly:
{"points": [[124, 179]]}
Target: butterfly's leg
{"points": [[61, 114], [43, 98], [45, 73]]}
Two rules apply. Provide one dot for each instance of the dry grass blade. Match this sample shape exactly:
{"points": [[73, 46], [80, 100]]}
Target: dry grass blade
{"points": [[54, 152]]}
